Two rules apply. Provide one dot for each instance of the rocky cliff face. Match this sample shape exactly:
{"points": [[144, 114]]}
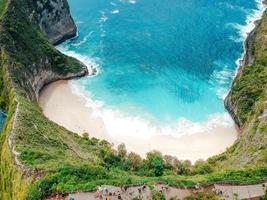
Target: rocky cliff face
{"points": [[247, 102], [36, 62], [55, 20], [248, 60], [39, 78]]}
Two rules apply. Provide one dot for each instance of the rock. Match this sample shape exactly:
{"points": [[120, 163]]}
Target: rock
{"points": [[94, 71], [55, 20], [248, 60]]}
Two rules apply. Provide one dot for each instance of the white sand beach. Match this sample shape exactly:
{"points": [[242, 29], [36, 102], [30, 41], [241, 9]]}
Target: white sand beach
{"points": [[60, 105]]}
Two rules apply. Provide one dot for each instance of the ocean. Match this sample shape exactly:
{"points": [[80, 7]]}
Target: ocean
{"points": [[163, 67]]}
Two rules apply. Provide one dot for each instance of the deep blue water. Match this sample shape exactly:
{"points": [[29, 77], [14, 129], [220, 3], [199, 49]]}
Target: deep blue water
{"points": [[2, 118], [164, 60]]}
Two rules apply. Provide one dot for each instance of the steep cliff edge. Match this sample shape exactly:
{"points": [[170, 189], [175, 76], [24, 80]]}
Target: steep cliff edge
{"points": [[248, 60], [247, 101], [37, 61], [28, 61], [55, 20]]}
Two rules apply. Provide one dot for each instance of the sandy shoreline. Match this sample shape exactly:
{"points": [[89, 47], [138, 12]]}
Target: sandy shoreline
{"points": [[69, 110], [63, 107]]}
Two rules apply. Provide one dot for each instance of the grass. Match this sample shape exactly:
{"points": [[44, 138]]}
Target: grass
{"points": [[12, 183], [248, 96]]}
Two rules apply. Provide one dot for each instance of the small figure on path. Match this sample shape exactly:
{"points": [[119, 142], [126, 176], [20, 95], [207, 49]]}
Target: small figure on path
{"points": [[71, 198]]}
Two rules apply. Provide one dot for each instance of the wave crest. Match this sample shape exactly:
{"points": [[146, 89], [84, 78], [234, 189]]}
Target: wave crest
{"points": [[122, 124]]}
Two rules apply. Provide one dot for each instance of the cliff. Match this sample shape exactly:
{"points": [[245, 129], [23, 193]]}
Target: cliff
{"points": [[246, 102], [22, 39], [248, 60], [55, 20]]}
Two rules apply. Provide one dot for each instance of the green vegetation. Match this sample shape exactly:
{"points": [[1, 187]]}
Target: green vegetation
{"points": [[248, 96], [200, 196], [158, 196], [55, 160]]}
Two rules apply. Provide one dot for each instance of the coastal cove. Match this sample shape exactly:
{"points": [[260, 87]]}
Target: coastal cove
{"points": [[60, 105], [206, 138]]}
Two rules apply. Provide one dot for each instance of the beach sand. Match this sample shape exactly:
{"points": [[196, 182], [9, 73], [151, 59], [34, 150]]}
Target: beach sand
{"points": [[60, 105]]}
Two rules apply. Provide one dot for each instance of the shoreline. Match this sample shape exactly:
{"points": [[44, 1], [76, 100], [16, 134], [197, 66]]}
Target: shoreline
{"points": [[60, 105], [246, 57], [252, 23], [216, 140]]}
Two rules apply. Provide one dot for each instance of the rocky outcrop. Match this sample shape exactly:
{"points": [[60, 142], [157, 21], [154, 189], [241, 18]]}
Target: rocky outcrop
{"points": [[249, 55], [248, 60], [55, 20], [232, 109], [44, 64], [39, 79]]}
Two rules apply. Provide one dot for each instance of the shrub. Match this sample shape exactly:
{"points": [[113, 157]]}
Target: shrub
{"points": [[202, 167], [155, 163], [158, 196]]}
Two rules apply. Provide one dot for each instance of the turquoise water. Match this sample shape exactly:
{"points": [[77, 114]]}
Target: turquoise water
{"points": [[2, 118], [161, 61]]}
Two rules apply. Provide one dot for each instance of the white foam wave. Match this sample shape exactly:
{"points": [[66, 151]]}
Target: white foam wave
{"points": [[84, 40], [236, 39], [129, 1], [245, 30], [220, 79], [255, 15], [132, 1], [121, 124], [103, 17], [115, 12], [91, 63]]}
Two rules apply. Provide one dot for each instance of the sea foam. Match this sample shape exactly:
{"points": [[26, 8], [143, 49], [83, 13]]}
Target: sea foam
{"points": [[244, 31], [119, 124], [115, 12], [91, 64]]}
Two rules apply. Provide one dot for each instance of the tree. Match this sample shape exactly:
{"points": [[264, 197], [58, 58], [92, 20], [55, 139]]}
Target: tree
{"points": [[111, 158], [122, 152], [183, 167], [202, 167], [86, 136], [155, 163], [169, 162], [133, 162]]}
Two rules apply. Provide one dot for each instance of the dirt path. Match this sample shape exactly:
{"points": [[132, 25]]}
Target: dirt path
{"points": [[227, 192]]}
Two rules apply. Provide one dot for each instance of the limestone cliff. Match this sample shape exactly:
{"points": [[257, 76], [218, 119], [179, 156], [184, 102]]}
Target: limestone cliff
{"points": [[55, 20], [25, 37], [247, 102], [248, 60]]}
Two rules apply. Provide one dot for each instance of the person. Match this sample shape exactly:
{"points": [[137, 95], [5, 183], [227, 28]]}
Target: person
{"points": [[71, 198]]}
